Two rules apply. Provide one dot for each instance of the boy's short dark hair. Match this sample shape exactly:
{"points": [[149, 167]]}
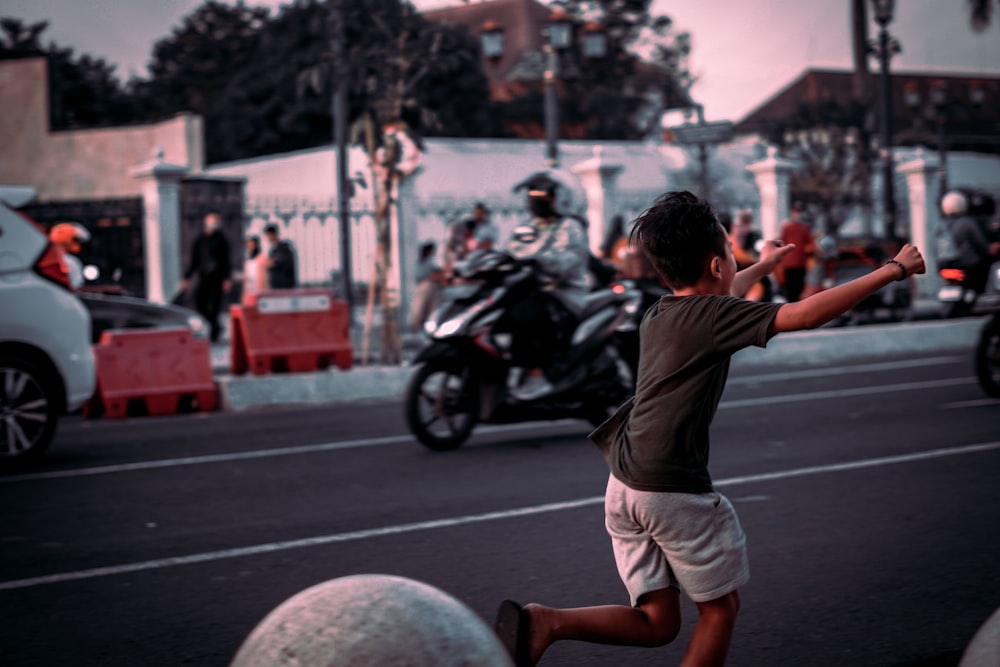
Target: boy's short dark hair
{"points": [[679, 233], [271, 229]]}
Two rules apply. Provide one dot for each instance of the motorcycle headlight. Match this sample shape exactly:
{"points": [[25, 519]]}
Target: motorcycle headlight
{"points": [[430, 325]]}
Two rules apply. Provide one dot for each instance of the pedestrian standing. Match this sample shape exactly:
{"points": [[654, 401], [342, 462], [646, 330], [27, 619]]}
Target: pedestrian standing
{"points": [[467, 235], [282, 272], [209, 269], [670, 529], [429, 279], [795, 232], [254, 271]]}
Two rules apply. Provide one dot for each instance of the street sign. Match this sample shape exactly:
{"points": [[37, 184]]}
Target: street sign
{"points": [[704, 133]]}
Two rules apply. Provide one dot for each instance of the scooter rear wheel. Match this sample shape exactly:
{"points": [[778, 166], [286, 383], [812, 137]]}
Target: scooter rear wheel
{"points": [[442, 405], [988, 357]]}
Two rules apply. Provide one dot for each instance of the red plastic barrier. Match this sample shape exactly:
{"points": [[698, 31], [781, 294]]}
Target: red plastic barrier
{"points": [[291, 331], [157, 371]]}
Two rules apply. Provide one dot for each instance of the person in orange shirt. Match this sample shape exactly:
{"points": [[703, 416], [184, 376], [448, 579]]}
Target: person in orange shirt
{"points": [[795, 231], [744, 240]]}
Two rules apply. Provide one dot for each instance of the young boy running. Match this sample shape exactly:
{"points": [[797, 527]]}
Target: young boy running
{"points": [[669, 528]]}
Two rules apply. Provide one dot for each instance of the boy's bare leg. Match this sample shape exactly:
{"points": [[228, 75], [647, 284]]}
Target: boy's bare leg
{"points": [[655, 622], [710, 640]]}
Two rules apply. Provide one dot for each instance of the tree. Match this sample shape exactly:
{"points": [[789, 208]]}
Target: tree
{"points": [[405, 77], [260, 80], [197, 67], [622, 94], [832, 142], [83, 91]]}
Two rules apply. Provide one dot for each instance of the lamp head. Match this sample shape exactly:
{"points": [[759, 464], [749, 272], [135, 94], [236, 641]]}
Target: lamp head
{"points": [[884, 9]]}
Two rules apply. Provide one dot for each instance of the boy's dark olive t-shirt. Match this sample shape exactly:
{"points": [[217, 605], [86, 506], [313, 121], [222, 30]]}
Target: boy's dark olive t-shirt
{"points": [[658, 440]]}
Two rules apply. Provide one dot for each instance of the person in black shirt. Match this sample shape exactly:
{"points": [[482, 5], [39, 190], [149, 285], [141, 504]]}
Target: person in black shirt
{"points": [[210, 270], [281, 270]]}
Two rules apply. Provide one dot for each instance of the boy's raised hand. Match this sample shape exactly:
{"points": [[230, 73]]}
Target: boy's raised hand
{"points": [[911, 258], [773, 252]]}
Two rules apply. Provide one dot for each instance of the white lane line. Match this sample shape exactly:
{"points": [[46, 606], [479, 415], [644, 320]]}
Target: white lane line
{"points": [[265, 453], [971, 404], [258, 549], [846, 393], [484, 430], [843, 370]]}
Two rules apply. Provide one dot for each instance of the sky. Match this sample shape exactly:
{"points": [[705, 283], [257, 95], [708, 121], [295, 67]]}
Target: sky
{"points": [[744, 51]]}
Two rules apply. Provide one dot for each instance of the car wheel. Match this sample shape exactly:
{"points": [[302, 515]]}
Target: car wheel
{"points": [[28, 412]]}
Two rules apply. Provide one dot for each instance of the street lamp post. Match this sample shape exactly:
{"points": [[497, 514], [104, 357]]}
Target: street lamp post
{"points": [[551, 108], [558, 38], [885, 49]]}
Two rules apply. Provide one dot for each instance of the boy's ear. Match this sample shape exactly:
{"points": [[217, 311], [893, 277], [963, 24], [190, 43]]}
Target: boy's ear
{"points": [[715, 266]]}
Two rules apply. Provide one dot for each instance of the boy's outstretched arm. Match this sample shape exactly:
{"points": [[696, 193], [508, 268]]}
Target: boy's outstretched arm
{"points": [[770, 256], [822, 307]]}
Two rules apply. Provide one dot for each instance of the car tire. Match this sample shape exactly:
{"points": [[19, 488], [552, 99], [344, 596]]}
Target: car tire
{"points": [[29, 412]]}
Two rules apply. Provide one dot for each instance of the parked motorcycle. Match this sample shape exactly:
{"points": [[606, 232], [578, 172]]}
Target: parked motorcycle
{"points": [[465, 374]]}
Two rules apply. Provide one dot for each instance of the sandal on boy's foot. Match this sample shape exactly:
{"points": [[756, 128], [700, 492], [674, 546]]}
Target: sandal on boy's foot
{"points": [[512, 629]]}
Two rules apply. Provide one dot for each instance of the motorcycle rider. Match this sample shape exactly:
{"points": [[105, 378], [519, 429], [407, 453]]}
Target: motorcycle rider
{"points": [[556, 241], [70, 237], [974, 252]]}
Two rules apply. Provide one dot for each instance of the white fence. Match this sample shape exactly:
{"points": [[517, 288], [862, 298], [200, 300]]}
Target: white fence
{"points": [[313, 227]]}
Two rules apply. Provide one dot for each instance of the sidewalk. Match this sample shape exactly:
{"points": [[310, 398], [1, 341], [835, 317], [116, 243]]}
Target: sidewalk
{"points": [[924, 334]]}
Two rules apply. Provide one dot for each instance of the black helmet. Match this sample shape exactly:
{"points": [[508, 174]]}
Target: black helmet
{"points": [[563, 190]]}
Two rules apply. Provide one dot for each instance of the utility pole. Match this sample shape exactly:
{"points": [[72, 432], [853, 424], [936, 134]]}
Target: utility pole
{"points": [[339, 113]]}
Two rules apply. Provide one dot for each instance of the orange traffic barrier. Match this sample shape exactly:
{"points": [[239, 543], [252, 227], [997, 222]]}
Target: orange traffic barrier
{"points": [[292, 331], [154, 372]]}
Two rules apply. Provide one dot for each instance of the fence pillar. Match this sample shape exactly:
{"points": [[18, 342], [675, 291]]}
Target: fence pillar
{"points": [[922, 187], [599, 179], [405, 248], [773, 176], [161, 225]]}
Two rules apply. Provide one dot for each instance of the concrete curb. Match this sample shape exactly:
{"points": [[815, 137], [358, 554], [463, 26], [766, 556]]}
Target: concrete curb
{"points": [[823, 346]]}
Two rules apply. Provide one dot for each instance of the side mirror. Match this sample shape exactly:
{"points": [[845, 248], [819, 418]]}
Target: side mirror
{"points": [[525, 234]]}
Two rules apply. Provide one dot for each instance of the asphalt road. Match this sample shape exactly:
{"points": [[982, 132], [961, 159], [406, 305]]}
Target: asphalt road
{"points": [[868, 492]]}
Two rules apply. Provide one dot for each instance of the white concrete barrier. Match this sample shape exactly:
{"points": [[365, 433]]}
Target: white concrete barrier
{"points": [[372, 619]]}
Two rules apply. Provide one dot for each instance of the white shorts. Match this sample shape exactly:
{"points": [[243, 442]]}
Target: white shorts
{"points": [[685, 540]]}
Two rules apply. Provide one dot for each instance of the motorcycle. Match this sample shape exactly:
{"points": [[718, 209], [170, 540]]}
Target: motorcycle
{"points": [[649, 292], [466, 372], [987, 359]]}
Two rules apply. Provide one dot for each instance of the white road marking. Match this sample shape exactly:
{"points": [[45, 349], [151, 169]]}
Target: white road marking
{"points": [[843, 370], [258, 549], [846, 393], [263, 453], [971, 404], [397, 439]]}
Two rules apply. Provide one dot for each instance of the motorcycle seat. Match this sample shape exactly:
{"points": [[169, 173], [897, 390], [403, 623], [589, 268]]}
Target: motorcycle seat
{"points": [[582, 305]]}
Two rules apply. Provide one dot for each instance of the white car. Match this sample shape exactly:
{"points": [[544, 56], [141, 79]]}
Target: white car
{"points": [[46, 361]]}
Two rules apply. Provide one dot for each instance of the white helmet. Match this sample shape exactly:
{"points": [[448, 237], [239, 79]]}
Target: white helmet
{"points": [[954, 203]]}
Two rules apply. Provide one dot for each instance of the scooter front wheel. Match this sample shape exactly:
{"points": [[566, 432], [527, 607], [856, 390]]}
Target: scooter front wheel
{"points": [[988, 357], [442, 404]]}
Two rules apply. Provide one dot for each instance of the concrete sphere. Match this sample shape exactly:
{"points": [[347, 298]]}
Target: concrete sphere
{"points": [[984, 649], [372, 620]]}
